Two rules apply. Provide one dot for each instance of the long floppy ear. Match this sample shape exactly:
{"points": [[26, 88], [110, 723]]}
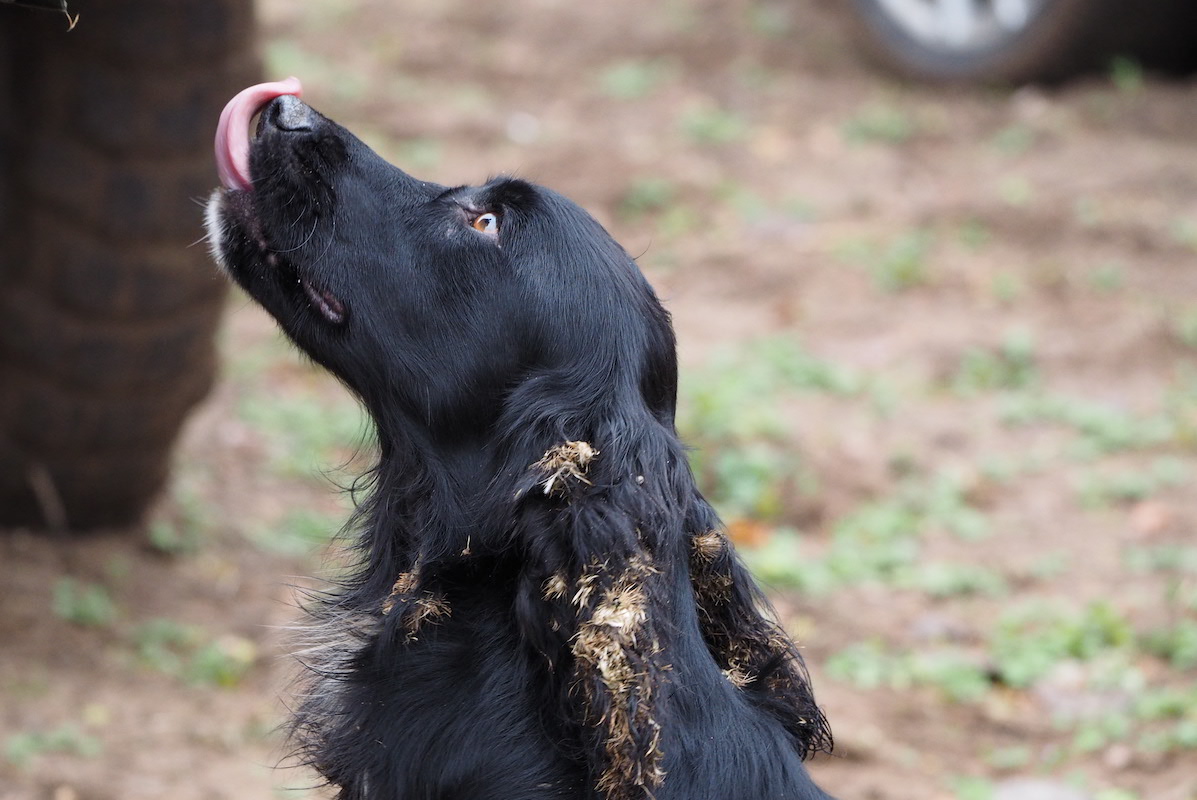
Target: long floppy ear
{"points": [[753, 651], [591, 586]]}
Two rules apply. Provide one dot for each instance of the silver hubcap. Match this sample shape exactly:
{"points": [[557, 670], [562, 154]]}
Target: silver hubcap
{"points": [[961, 24]]}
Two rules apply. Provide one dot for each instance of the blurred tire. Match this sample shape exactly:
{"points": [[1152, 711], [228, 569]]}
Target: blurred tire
{"points": [[107, 314], [1018, 41]]}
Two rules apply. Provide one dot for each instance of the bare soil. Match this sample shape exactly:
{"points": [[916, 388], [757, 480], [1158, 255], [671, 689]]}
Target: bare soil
{"points": [[789, 170]]}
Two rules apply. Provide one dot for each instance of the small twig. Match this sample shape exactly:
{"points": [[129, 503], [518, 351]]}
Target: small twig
{"points": [[49, 499], [48, 5]]}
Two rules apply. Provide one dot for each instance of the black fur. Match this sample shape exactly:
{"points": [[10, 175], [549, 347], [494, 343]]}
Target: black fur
{"points": [[545, 606]]}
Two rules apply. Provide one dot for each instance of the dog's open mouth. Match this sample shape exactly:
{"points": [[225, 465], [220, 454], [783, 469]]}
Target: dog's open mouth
{"points": [[233, 145], [324, 301]]}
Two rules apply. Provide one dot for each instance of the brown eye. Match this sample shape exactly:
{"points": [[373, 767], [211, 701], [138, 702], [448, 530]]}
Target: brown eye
{"points": [[487, 223]]}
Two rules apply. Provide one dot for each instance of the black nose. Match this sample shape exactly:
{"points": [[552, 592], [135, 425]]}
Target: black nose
{"points": [[288, 113]]}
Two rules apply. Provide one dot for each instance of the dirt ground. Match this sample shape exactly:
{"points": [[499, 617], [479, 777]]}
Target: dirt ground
{"points": [[1008, 275]]}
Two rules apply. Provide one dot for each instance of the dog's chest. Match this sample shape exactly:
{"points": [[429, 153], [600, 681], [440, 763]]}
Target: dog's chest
{"points": [[457, 714]]}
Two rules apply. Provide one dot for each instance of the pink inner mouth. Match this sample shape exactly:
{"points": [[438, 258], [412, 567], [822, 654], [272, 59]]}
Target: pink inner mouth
{"points": [[232, 132]]}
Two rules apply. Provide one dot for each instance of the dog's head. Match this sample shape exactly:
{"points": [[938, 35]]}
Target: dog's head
{"points": [[437, 299]]}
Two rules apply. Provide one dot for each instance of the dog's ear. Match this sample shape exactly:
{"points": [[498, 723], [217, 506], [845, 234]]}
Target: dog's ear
{"points": [[590, 603], [753, 651], [616, 673]]}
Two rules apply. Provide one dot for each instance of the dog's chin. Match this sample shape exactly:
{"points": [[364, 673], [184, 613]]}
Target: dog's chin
{"points": [[236, 240], [239, 247], [214, 228]]}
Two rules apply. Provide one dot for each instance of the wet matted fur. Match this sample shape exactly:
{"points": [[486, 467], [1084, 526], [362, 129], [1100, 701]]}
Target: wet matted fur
{"points": [[544, 606]]}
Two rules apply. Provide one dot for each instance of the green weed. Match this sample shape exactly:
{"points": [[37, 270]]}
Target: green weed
{"points": [[86, 604], [974, 235], [161, 643], [1024, 647], [246, 363], [1028, 642], [896, 266], [1102, 428], [1008, 759], [1166, 703], [678, 220], [1016, 191], [1114, 793], [879, 542], [743, 457], [22, 748], [904, 264], [1183, 231], [1103, 489], [799, 208], [305, 430], [755, 77], [173, 538], [1008, 468], [413, 153], [221, 662], [1176, 644], [1013, 140], [943, 503], [418, 153], [300, 533], [287, 57], [770, 19], [1092, 735], [972, 788], [1049, 566], [706, 125], [1126, 74], [781, 563], [869, 665], [1180, 408], [1087, 212], [1180, 735], [944, 579], [751, 480], [1108, 277], [880, 551], [635, 78], [878, 122], [647, 196], [186, 653], [1184, 326], [1010, 366], [1174, 558], [1007, 287], [786, 363], [181, 532], [748, 204]]}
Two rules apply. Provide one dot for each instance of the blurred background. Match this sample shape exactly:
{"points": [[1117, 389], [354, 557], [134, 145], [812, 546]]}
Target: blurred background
{"points": [[939, 347]]}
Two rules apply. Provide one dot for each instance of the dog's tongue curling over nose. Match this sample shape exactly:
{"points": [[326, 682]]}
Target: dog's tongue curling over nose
{"points": [[232, 132]]}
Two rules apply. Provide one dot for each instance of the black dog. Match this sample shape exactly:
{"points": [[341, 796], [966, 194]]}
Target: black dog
{"points": [[545, 606]]}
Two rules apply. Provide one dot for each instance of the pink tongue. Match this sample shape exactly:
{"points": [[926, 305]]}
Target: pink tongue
{"points": [[232, 132]]}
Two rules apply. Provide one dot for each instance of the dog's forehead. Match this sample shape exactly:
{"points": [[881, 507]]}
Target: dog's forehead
{"points": [[508, 192], [494, 193]]}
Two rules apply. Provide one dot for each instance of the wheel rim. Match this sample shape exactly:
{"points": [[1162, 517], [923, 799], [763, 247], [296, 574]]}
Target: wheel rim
{"points": [[961, 25]]}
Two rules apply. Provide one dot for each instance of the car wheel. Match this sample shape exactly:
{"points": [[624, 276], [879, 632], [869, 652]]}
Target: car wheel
{"points": [[996, 41]]}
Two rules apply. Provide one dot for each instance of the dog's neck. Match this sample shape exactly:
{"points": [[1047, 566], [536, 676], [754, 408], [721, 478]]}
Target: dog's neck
{"points": [[435, 495]]}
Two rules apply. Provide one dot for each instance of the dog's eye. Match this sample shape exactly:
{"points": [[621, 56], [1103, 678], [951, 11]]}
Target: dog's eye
{"points": [[488, 223]]}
